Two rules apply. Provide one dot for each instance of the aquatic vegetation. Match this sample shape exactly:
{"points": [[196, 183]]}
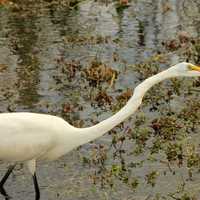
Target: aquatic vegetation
{"points": [[166, 134], [151, 178], [125, 96], [98, 72], [87, 40], [187, 46], [163, 135], [146, 69], [103, 98], [3, 67]]}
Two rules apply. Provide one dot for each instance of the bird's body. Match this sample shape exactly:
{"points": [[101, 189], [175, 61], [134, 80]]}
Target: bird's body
{"points": [[28, 137]]}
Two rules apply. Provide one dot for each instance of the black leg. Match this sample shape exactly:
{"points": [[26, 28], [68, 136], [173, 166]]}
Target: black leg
{"points": [[3, 180], [37, 190]]}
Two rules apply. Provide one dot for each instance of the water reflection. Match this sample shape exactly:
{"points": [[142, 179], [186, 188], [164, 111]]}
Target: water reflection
{"points": [[22, 37]]}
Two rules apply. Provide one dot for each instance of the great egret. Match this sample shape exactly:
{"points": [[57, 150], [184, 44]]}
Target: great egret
{"points": [[28, 137]]}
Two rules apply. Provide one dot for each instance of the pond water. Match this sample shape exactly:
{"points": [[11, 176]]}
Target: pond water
{"points": [[36, 41]]}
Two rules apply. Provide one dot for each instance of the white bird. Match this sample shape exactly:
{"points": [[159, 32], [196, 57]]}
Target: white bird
{"points": [[29, 137]]}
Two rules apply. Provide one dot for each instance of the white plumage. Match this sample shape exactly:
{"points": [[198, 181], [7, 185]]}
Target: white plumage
{"points": [[28, 137]]}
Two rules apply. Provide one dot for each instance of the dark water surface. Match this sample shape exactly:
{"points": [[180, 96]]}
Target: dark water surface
{"points": [[33, 43]]}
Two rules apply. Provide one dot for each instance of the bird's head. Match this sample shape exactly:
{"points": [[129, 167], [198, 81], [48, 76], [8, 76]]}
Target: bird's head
{"points": [[185, 69]]}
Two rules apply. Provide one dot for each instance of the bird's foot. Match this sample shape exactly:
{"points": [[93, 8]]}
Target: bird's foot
{"points": [[3, 192], [8, 197]]}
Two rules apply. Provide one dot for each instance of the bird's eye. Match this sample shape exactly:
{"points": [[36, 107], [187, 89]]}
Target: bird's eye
{"points": [[194, 67]]}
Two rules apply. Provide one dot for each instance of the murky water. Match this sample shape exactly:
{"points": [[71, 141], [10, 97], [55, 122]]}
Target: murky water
{"points": [[33, 40]]}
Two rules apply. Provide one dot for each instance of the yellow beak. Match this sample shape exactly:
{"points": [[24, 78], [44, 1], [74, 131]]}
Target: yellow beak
{"points": [[195, 68]]}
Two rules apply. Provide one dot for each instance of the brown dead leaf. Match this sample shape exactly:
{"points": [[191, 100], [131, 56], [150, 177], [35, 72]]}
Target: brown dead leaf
{"points": [[67, 108], [103, 98], [166, 7], [98, 72], [4, 2], [3, 67], [125, 96]]}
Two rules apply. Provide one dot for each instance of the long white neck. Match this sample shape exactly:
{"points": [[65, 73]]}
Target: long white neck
{"points": [[93, 132]]}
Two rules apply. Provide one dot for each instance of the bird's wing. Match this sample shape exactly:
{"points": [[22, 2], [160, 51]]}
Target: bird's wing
{"points": [[21, 147], [24, 138]]}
